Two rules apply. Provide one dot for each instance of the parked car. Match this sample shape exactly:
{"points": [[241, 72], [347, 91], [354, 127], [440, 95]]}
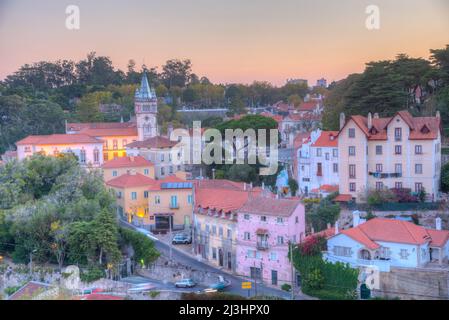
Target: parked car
{"points": [[185, 283], [181, 238], [221, 284]]}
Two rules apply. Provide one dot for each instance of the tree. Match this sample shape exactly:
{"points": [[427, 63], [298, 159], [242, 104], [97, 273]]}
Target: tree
{"points": [[176, 73], [293, 185], [88, 109], [106, 232], [144, 250], [445, 178]]}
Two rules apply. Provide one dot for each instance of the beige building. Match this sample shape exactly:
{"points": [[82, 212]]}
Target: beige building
{"points": [[118, 166], [402, 152]]}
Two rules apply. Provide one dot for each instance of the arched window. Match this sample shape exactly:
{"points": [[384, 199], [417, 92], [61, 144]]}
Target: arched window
{"points": [[83, 156]]}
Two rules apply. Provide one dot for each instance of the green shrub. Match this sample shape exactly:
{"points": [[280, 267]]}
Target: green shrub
{"points": [[10, 290], [92, 275], [154, 294], [286, 287], [211, 296]]}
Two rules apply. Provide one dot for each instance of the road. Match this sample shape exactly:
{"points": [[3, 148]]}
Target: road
{"points": [[236, 281]]}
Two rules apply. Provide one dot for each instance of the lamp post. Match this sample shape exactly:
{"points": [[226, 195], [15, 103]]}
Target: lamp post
{"points": [[31, 261]]}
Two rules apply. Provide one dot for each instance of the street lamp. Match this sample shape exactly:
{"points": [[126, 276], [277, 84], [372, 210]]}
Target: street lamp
{"points": [[31, 261]]}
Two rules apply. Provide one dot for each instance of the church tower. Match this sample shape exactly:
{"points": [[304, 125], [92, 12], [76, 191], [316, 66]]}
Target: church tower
{"points": [[145, 107]]}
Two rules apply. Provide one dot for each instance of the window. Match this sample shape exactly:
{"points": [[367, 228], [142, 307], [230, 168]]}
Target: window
{"points": [[105, 144], [190, 199], [352, 187], [174, 202], [352, 171], [335, 153], [397, 134], [398, 168], [351, 132], [214, 230], [418, 186], [207, 228], [246, 216], [327, 156], [418, 149], [162, 171], [115, 155], [273, 256], [114, 173], [157, 199], [342, 251], [398, 149], [119, 194], [133, 195], [379, 186], [351, 151], [106, 156], [124, 143], [145, 194], [114, 144], [251, 253], [170, 169], [169, 157], [229, 233], [279, 220], [319, 169], [378, 150], [214, 253], [296, 220], [379, 167], [404, 254], [280, 240], [398, 185], [220, 231], [82, 156], [146, 172], [162, 157], [418, 168], [318, 152], [263, 218], [96, 156], [335, 167], [246, 236]]}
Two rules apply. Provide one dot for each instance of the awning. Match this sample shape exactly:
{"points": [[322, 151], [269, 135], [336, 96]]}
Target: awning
{"points": [[163, 214], [261, 231]]}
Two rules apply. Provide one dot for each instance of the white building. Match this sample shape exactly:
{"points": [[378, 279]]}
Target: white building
{"points": [[386, 243], [318, 163]]}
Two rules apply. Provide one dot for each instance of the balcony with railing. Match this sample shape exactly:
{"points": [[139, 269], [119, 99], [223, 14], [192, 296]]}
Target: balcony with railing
{"points": [[383, 175], [262, 245]]}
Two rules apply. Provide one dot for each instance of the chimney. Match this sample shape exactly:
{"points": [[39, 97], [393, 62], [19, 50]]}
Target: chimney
{"points": [[376, 116], [336, 227], [342, 120], [438, 223], [438, 114], [355, 218], [370, 121], [328, 226]]}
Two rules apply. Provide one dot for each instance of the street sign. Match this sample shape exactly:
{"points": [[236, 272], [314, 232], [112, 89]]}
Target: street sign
{"points": [[246, 285]]}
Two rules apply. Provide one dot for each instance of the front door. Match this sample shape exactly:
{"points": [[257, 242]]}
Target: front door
{"points": [[274, 277], [220, 257], [229, 261]]}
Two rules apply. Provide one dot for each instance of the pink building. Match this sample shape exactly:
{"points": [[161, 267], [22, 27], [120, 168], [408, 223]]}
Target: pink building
{"points": [[265, 228]]}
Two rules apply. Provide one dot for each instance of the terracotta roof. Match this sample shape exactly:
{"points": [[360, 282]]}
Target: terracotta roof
{"points": [[154, 142], [261, 231], [222, 199], [131, 180], [326, 188], [127, 162], [327, 139], [59, 139], [275, 117], [78, 126], [270, 206], [343, 198], [439, 237], [300, 139], [388, 230], [103, 132], [99, 296], [220, 184], [308, 106], [421, 128], [324, 233], [29, 290]]}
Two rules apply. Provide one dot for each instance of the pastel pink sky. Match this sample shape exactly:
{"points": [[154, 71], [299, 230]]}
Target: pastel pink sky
{"points": [[227, 40]]}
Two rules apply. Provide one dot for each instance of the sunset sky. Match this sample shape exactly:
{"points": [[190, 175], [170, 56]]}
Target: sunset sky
{"points": [[227, 40]]}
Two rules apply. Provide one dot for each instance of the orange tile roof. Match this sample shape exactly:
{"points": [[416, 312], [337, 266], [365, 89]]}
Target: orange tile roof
{"points": [[327, 139], [59, 139], [222, 199], [270, 206], [388, 230], [308, 106], [132, 180], [300, 139], [417, 126], [326, 188], [327, 233], [154, 142], [276, 117], [220, 184], [439, 237], [127, 162], [104, 132], [77, 126], [170, 178]]}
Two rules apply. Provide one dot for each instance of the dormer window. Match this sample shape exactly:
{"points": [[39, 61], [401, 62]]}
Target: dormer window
{"points": [[373, 130], [425, 129]]}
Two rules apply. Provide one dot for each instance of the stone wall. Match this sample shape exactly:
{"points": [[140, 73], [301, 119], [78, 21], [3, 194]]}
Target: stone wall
{"points": [[416, 284]]}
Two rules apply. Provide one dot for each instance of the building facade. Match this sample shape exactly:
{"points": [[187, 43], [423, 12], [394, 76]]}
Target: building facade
{"points": [[401, 152], [265, 229], [116, 167]]}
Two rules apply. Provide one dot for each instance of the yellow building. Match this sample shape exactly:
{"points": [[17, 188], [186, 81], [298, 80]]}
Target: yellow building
{"points": [[131, 192], [119, 166]]}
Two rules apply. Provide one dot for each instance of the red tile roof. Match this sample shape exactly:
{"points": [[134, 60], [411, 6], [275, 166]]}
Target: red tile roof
{"points": [[326, 188], [104, 132], [100, 296], [127, 162], [270, 206], [78, 126], [220, 184], [275, 117], [324, 233], [343, 198], [132, 180], [30, 290], [396, 231], [439, 237], [300, 139], [418, 126], [327, 139], [222, 199], [154, 142], [308, 106], [59, 139], [170, 178]]}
